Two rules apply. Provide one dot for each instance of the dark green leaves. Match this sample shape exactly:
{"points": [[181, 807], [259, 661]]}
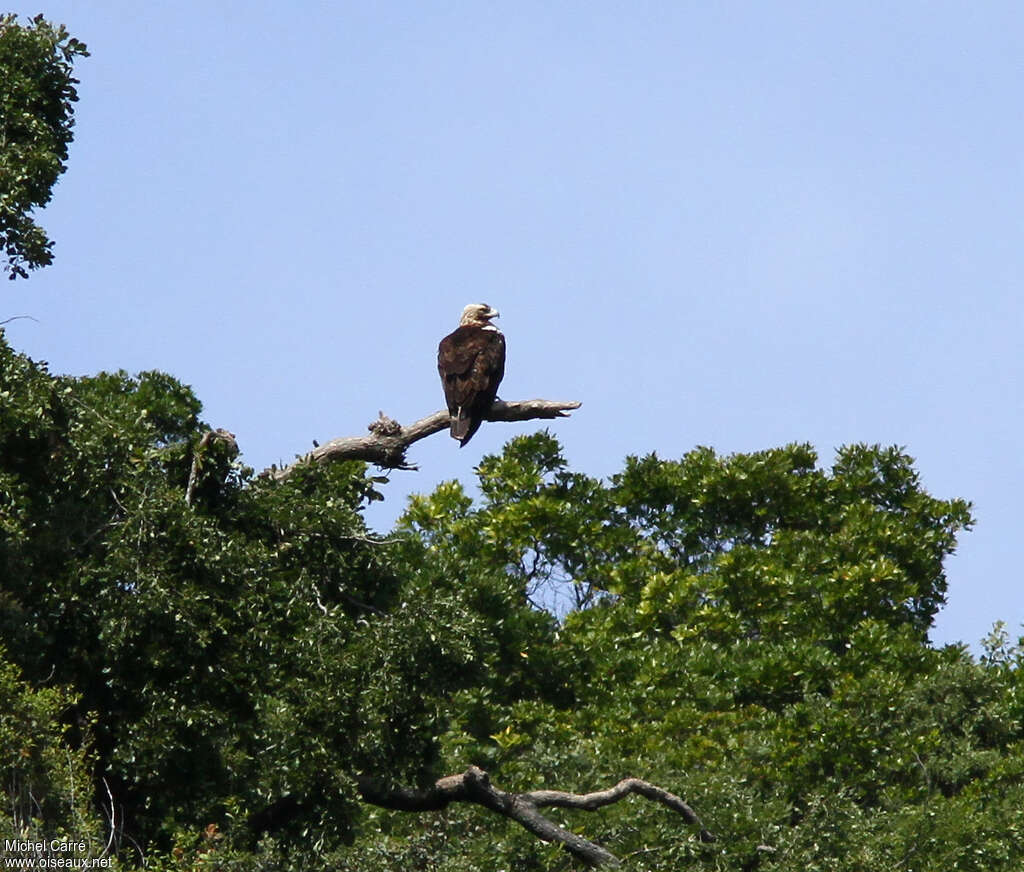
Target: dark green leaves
{"points": [[37, 91], [757, 642], [747, 631]]}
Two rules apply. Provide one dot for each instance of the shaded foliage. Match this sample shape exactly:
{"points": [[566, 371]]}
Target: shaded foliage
{"points": [[757, 642], [37, 93], [46, 783], [244, 656], [749, 631], [198, 662]]}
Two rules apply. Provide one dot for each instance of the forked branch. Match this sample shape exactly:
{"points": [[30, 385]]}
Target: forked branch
{"points": [[388, 440], [474, 785]]}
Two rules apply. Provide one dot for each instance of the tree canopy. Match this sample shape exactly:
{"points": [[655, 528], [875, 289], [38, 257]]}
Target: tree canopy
{"points": [[227, 657], [37, 93]]}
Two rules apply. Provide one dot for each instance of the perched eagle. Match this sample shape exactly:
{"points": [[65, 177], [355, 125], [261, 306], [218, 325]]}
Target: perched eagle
{"points": [[471, 362]]}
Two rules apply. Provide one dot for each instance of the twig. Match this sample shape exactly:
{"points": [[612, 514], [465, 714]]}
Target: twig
{"points": [[113, 822]]}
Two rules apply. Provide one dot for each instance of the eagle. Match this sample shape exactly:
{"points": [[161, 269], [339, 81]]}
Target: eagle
{"points": [[471, 361]]}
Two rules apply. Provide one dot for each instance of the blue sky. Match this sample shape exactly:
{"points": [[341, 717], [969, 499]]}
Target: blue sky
{"points": [[729, 224]]}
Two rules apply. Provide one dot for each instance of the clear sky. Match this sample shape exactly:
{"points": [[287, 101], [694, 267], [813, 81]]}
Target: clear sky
{"points": [[726, 224]]}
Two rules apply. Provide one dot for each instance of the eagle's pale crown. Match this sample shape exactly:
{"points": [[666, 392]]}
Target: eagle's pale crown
{"points": [[477, 315]]}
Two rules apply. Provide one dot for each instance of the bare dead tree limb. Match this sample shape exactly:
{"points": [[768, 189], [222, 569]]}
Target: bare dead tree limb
{"points": [[388, 440], [474, 785], [592, 801]]}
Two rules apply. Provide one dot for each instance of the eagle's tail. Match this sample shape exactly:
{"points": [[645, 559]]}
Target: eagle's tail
{"points": [[463, 426]]}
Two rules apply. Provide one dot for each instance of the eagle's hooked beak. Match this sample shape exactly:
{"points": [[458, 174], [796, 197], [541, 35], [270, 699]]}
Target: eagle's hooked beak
{"points": [[492, 313]]}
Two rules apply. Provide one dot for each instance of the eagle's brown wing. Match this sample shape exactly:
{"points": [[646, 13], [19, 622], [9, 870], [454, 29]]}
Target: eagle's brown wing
{"points": [[471, 362]]}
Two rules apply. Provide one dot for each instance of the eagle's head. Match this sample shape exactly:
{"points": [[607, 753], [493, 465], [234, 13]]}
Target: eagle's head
{"points": [[477, 315]]}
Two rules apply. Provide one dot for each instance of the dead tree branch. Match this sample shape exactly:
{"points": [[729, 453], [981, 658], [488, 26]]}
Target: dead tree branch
{"points": [[474, 785], [388, 440]]}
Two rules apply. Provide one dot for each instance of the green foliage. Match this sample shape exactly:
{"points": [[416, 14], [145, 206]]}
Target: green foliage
{"points": [[245, 655], [757, 642], [47, 786], [749, 632], [750, 546], [37, 91]]}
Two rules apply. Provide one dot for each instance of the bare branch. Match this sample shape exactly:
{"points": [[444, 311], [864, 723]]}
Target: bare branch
{"points": [[388, 440], [592, 801], [474, 785]]}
